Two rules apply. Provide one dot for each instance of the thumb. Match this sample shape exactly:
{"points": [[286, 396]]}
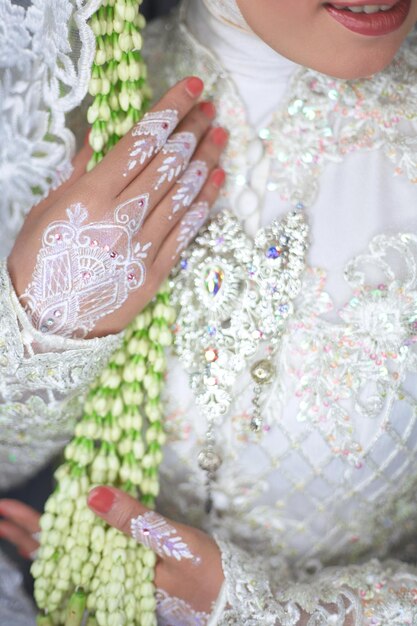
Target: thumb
{"points": [[132, 518]]}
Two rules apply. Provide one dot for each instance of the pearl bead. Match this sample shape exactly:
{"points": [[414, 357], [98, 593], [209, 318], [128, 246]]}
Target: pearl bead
{"points": [[262, 371], [247, 202], [209, 460]]}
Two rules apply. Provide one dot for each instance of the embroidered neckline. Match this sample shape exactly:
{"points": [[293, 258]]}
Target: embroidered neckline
{"points": [[321, 119]]}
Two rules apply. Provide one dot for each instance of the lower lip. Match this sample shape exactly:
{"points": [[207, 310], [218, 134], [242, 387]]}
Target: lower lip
{"points": [[372, 24]]}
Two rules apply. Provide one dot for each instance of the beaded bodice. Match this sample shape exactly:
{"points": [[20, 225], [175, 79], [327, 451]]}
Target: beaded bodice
{"points": [[330, 476]]}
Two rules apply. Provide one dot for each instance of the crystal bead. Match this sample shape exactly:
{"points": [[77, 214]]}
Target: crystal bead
{"points": [[211, 355], [256, 424], [274, 252], [209, 461], [213, 280], [262, 371]]}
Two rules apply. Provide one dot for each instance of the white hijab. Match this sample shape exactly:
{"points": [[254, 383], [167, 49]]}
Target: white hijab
{"points": [[227, 11]]}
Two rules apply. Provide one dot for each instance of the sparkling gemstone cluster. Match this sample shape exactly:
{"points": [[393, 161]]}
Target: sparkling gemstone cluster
{"points": [[233, 294]]}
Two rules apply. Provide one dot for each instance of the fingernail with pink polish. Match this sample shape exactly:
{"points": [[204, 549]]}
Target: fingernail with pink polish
{"points": [[101, 499], [208, 109], [219, 136], [194, 86], [218, 177]]}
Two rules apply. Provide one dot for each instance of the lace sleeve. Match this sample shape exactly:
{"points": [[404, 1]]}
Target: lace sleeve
{"points": [[373, 594], [43, 380]]}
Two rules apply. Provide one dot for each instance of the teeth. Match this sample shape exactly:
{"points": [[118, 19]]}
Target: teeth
{"points": [[368, 8]]}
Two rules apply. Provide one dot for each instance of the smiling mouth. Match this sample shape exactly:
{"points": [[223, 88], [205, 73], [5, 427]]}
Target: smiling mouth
{"points": [[369, 9], [370, 19]]}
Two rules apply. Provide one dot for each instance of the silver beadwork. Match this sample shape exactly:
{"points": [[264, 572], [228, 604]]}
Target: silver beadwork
{"points": [[233, 294]]}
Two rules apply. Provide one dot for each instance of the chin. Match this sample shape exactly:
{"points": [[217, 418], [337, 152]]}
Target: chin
{"points": [[349, 63], [357, 68]]}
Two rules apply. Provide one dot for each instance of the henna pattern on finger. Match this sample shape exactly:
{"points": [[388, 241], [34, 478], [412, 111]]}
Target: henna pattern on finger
{"points": [[178, 150], [189, 185], [154, 532], [152, 132], [172, 611], [190, 224], [86, 270]]}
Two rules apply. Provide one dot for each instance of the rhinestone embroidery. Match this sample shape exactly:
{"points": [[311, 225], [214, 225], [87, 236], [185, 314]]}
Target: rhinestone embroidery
{"points": [[230, 296]]}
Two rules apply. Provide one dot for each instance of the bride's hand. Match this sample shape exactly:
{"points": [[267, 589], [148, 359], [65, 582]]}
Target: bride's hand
{"points": [[19, 524], [88, 263], [188, 574]]}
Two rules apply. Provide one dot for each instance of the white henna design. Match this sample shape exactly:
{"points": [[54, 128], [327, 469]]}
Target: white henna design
{"points": [[189, 185], [172, 611], [179, 149], [85, 271], [152, 132], [191, 224], [154, 532]]}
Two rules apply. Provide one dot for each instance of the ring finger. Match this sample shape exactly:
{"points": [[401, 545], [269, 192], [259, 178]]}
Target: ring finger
{"points": [[181, 196], [163, 171]]}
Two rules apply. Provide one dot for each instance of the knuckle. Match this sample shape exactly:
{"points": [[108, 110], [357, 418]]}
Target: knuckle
{"points": [[123, 516], [153, 281]]}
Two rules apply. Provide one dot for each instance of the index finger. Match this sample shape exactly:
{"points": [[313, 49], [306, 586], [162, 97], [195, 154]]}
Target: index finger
{"points": [[134, 151], [147, 527]]}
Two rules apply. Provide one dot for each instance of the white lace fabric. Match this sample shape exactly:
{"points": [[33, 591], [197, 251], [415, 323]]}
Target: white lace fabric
{"points": [[46, 52], [15, 607], [43, 380], [374, 594]]}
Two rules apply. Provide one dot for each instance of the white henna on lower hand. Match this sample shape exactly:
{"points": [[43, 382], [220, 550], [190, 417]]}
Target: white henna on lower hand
{"points": [[174, 611], [154, 532]]}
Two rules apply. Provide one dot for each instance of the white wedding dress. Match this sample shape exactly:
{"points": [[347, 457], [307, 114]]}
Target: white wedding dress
{"points": [[303, 510]]}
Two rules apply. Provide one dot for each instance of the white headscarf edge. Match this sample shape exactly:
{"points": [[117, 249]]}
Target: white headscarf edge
{"points": [[227, 11]]}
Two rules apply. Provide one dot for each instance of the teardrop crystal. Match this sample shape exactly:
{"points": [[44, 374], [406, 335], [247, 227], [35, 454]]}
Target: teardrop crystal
{"points": [[213, 280]]}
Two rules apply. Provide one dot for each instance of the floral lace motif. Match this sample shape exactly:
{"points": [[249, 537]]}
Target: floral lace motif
{"points": [[375, 594], [46, 53], [42, 384], [365, 358]]}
